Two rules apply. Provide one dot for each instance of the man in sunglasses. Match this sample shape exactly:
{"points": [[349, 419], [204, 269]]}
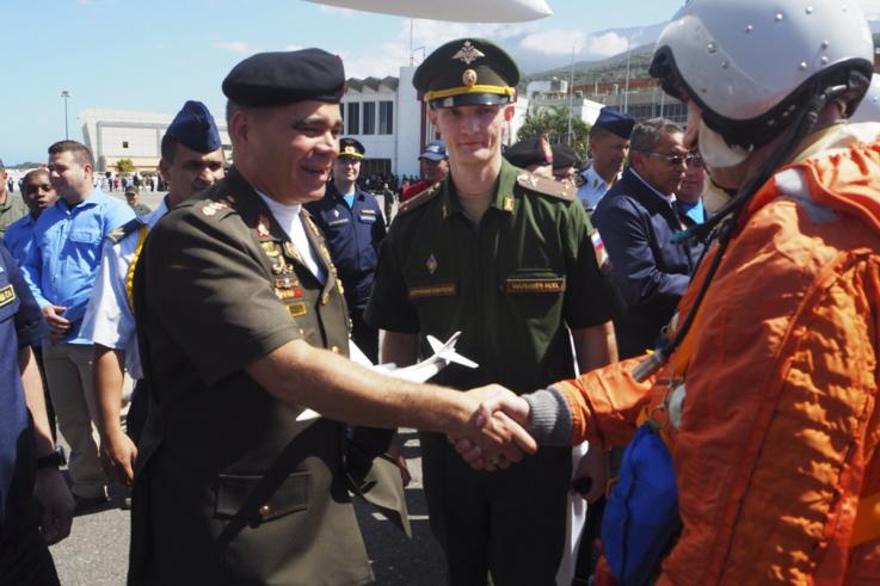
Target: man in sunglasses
{"points": [[637, 219]]}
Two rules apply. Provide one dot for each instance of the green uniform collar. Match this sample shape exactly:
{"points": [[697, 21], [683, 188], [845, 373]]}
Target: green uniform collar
{"points": [[504, 200]]}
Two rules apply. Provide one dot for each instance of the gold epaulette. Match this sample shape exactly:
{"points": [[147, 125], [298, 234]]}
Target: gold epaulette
{"points": [[420, 199], [547, 186]]}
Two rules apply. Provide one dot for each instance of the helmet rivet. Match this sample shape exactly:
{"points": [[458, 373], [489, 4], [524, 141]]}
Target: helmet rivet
{"points": [[779, 17], [824, 60], [712, 48], [803, 66], [825, 44], [749, 28], [809, 10], [724, 65]]}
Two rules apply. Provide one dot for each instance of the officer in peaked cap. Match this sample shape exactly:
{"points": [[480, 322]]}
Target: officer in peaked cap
{"points": [[472, 72], [351, 148], [609, 147], [504, 256], [243, 326], [532, 154], [352, 222]]}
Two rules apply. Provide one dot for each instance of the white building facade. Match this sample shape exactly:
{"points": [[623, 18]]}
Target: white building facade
{"points": [[112, 135]]}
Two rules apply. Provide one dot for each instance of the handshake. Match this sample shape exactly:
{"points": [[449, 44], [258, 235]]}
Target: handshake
{"points": [[495, 436]]}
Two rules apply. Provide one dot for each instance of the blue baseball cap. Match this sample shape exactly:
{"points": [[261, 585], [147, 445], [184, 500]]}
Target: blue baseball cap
{"points": [[194, 128], [615, 122], [434, 151]]}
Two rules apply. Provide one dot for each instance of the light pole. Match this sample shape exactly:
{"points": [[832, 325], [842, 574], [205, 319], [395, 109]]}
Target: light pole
{"points": [[65, 95]]}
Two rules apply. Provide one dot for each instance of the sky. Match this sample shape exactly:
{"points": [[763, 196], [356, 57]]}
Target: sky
{"points": [[152, 56]]}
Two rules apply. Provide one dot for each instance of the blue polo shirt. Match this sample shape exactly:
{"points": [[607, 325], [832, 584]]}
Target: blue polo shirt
{"points": [[62, 265], [21, 324], [19, 237]]}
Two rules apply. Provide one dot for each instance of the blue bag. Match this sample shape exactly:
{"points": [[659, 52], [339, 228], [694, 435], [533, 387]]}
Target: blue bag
{"points": [[641, 519]]}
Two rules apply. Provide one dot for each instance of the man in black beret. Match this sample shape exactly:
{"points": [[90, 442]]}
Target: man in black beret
{"points": [[609, 148], [533, 154], [242, 326], [565, 163], [504, 256]]}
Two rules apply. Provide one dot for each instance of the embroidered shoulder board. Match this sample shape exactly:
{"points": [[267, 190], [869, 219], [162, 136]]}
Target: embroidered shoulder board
{"points": [[116, 236], [547, 186], [420, 199]]}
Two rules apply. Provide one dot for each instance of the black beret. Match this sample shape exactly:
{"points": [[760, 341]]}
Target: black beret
{"points": [[351, 149], [194, 128], [265, 80], [531, 151], [615, 122], [564, 156], [467, 71]]}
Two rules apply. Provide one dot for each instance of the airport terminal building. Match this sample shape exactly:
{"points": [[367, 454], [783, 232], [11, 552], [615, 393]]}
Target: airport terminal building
{"points": [[386, 115]]}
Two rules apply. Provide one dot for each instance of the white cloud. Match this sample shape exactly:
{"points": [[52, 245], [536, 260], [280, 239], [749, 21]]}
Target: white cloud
{"points": [[607, 45], [235, 46], [554, 42], [871, 8], [293, 47], [385, 61]]}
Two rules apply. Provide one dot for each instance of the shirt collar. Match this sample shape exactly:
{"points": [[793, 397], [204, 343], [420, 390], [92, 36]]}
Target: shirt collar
{"points": [[502, 201], [670, 199]]}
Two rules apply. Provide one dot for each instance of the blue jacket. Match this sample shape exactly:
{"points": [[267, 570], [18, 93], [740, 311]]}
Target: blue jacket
{"points": [[21, 324], [650, 271], [353, 236]]}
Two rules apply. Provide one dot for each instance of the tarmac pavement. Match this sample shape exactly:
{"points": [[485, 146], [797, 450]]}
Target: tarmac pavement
{"points": [[96, 553]]}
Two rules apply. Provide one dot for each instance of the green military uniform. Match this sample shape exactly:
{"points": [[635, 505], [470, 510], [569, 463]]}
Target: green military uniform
{"points": [[230, 487], [11, 210], [511, 285]]}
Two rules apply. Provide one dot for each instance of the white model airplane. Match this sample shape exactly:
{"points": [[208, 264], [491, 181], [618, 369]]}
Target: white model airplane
{"points": [[444, 355], [451, 10]]}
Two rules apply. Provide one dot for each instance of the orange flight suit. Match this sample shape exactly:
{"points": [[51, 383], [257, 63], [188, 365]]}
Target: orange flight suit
{"points": [[778, 441]]}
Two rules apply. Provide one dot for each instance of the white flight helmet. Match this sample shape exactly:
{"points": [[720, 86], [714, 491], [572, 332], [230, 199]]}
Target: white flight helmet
{"points": [[869, 109], [751, 64]]}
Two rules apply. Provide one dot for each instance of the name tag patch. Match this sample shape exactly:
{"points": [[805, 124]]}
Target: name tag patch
{"points": [[525, 286], [437, 290], [297, 309], [338, 222], [7, 295]]}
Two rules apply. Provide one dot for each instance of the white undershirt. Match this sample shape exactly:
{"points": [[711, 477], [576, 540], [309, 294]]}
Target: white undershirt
{"points": [[290, 220]]}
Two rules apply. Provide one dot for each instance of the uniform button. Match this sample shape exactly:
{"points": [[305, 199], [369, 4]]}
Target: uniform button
{"points": [[325, 299], [265, 510], [302, 332], [335, 349]]}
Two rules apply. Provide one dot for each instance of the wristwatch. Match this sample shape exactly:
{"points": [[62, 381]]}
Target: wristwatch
{"points": [[55, 459]]}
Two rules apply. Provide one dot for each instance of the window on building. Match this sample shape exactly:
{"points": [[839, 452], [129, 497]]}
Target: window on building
{"points": [[386, 117], [353, 119], [369, 118], [125, 144]]}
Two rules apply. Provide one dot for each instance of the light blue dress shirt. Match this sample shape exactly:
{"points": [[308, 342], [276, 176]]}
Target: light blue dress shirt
{"points": [[593, 189], [61, 267], [19, 238]]}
